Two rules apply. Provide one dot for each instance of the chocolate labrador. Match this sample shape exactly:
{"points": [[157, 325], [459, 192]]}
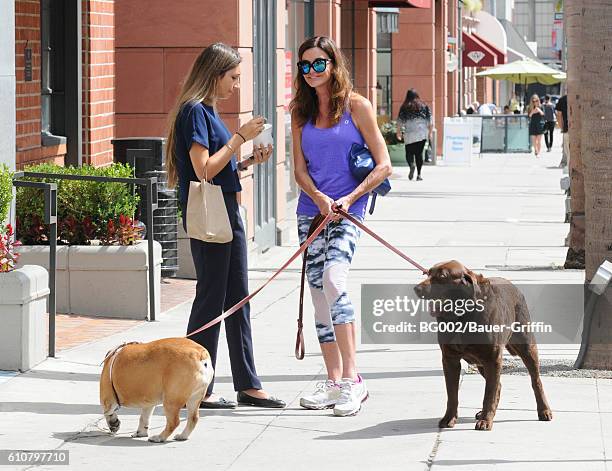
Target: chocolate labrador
{"points": [[470, 334]]}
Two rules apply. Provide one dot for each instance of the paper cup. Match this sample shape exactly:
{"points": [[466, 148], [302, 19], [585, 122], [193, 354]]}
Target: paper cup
{"points": [[265, 137]]}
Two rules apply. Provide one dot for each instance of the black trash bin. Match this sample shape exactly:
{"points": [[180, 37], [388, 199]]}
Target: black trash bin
{"points": [[149, 161]]}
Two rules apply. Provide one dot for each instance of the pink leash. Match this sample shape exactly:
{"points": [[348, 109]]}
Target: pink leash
{"points": [[301, 250]]}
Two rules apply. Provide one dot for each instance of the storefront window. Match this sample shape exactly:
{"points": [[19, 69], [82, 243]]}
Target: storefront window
{"points": [[299, 26], [383, 74]]}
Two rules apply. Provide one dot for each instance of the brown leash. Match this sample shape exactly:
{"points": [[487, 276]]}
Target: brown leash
{"points": [[299, 343], [317, 225], [238, 305]]}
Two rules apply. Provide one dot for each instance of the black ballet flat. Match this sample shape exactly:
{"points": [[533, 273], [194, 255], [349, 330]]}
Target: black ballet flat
{"points": [[270, 402]]}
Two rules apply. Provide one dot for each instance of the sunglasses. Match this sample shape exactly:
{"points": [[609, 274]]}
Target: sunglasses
{"points": [[318, 65]]}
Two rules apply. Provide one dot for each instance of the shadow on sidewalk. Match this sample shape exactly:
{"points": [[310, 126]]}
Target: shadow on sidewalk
{"points": [[67, 376], [496, 461], [405, 427]]}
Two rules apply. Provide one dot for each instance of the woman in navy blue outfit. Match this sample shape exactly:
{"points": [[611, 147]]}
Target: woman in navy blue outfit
{"points": [[200, 146]]}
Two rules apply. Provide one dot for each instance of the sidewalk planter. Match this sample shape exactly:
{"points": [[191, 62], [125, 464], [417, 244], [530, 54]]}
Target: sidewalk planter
{"points": [[39, 255], [105, 281], [23, 314], [397, 153]]}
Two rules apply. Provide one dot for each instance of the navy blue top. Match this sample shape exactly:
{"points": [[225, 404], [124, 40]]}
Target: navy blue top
{"points": [[200, 123]]}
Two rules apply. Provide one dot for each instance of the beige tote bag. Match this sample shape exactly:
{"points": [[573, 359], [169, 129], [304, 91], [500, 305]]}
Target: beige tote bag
{"points": [[207, 217]]}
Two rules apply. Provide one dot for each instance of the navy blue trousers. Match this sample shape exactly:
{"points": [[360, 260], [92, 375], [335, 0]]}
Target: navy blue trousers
{"points": [[222, 281]]}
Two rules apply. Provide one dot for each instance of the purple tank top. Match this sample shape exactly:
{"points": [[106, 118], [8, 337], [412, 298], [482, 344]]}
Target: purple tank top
{"points": [[326, 151]]}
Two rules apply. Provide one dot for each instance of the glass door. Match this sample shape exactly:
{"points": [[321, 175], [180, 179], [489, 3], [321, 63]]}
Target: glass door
{"points": [[264, 93]]}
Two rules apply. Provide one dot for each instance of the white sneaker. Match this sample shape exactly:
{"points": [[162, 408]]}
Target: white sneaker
{"points": [[325, 396], [352, 394]]}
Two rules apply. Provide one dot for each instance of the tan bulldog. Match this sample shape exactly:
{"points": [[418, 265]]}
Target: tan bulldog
{"points": [[174, 371]]}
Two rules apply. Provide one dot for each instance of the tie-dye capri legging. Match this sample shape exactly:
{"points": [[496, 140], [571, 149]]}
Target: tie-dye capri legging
{"points": [[327, 266]]}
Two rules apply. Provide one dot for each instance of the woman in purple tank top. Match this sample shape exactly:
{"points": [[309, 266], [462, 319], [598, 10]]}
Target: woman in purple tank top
{"points": [[327, 118]]}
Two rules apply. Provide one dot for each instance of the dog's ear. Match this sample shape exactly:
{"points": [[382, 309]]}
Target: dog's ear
{"points": [[471, 279]]}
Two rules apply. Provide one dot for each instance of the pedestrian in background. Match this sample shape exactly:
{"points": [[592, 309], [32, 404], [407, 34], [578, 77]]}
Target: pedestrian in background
{"points": [[561, 111], [200, 146], [415, 126], [549, 122], [327, 118], [514, 104], [536, 123]]}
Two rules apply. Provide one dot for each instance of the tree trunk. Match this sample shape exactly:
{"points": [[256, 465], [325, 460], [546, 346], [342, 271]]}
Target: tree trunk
{"points": [[596, 147], [574, 9]]}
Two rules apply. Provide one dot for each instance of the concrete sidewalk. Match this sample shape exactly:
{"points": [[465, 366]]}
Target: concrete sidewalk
{"points": [[504, 215]]}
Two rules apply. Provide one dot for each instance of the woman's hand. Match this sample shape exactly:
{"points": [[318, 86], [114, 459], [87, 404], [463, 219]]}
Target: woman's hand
{"points": [[261, 153], [252, 128], [345, 203], [325, 204]]}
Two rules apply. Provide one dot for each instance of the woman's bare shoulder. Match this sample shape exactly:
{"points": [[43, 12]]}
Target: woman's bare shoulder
{"points": [[360, 106], [359, 102]]}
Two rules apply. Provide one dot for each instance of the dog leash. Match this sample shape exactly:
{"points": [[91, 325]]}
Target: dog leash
{"points": [[364, 228], [299, 343], [317, 225], [237, 306], [114, 353]]}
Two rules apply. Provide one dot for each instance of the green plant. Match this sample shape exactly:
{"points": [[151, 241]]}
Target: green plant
{"points": [[389, 132], [6, 191], [83, 207]]}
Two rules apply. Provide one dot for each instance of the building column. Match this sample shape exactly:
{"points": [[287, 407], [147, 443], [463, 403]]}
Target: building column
{"points": [[365, 51], [413, 57], [327, 19], [7, 86], [98, 81], [441, 102], [452, 100]]}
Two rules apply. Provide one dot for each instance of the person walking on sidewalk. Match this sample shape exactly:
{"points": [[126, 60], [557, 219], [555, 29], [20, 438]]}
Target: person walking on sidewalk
{"points": [[415, 126], [327, 118], [200, 146], [549, 122], [536, 123]]}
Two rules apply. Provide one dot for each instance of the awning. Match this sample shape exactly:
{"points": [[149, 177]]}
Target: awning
{"points": [[501, 56], [491, 31], [400, 3], [516, 43], [477, 53]]}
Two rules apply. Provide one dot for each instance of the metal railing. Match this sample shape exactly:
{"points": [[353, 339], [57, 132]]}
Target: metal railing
{"points": [[50, 190], [51, 218]]}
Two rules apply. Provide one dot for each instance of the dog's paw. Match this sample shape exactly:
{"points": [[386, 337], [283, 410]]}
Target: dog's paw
{"points": [[484, 425], [180, 437], [545, 415], [479, 415], [447, 422], [114, 426], [157, 439], [140, 434]]}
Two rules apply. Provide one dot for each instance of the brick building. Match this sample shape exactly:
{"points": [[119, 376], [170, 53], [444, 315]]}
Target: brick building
{"points": [[65, 90], [88, 71]]}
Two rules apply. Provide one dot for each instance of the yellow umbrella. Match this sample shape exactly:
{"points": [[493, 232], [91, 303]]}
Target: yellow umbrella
{"points": [[525, 71]]}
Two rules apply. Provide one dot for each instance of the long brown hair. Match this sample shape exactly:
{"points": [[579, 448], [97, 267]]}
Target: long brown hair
{"points": [[412, 103], [305, 104], [199, 86]]}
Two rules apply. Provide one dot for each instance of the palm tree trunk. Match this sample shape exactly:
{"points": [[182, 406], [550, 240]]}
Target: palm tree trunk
{"points": [[596, 152], [574, 9]]}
